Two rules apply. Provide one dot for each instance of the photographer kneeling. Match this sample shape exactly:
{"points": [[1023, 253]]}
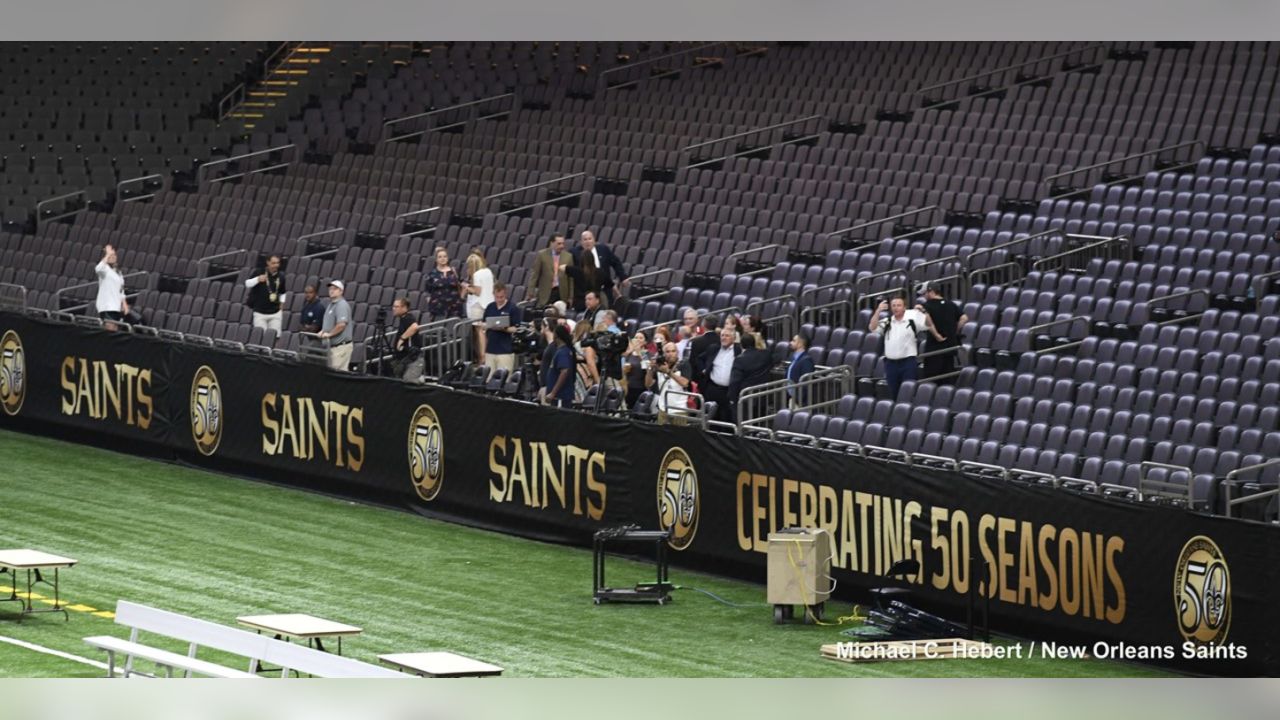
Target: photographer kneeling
{"points": [[672, 375], [406, 361]]}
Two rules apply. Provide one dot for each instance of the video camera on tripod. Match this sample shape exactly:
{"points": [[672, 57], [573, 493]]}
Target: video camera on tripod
{"points": [[606, 343]]}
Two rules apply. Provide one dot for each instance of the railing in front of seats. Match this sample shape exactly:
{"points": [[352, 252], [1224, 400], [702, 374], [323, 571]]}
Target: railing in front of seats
{"points": [[857, 243], [274, 157], [1229, 482], [838, 310], [13, 297], [1054, 191], [677, 62], [1076, 259], [453, 116], [823, 388], [69, 209], [810, 127], [1090, 58], [58, 295]]}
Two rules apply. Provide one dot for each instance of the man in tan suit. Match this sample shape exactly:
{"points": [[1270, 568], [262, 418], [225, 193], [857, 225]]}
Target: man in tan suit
{"points": [[548, 281]]}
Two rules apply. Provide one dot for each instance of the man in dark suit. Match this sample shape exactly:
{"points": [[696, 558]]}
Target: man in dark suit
{"points": [[596, 269], [801, 364], [548, 279], [750, 368], [699, 346], [717, 365]]}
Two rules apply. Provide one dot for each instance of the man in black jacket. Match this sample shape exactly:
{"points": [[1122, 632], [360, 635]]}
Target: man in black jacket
{"points": [[699, 346], [718, 363], [751, 368], [596, 268], [267, 296]]}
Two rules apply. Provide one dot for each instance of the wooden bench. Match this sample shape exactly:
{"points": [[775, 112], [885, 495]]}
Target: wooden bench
{"points": [[202, 633]]}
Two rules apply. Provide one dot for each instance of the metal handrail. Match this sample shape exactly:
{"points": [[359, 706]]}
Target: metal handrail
{"points": [[41, 220], [733, 258], [302, 243], [757, 131], [267, 68], [57, 295], [771, 397], [602, 82], [916, 273], [1049, 181], [1056, 348], [846, 447], [785, 297], [544, 183], [13, 296], [1045, 326], [424, 230], [1174, 296], [1115, 248], [938, 459], [649, 274], [121, 199], [1229, 483], [1162, 488], [418, 212], [881, 221], [809, 308], [753, 131], [202, 265], [1013, 271], [867, 281], [982, 252], [1006, 68], [237, 96], [963, 465], [203, 171], [387, 124], [1259, 289]]}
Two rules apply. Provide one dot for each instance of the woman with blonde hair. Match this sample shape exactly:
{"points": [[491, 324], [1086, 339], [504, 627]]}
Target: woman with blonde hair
{"points": [[479, 291]]}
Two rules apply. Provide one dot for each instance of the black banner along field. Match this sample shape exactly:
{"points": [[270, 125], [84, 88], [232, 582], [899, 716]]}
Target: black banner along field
{"points": [[1153, 583]]}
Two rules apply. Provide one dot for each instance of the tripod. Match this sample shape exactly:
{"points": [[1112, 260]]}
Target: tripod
{"points": [[610, 364], [528, 388], [379, 348]]}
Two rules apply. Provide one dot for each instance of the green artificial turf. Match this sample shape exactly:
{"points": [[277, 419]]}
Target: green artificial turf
{"points": [[216, 547]]}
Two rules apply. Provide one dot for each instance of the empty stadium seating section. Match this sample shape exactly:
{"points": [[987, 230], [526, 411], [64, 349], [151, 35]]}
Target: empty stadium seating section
{"points": [[1105, 213]]}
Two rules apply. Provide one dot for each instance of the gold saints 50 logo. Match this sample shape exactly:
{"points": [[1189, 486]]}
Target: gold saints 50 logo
{"points": [[426, 453], [678, 498], [206, 410], [1202, 592], [13, 373]]}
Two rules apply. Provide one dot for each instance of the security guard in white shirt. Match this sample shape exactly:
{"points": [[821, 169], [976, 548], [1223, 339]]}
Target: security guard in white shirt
{"points": [[900, 331]]}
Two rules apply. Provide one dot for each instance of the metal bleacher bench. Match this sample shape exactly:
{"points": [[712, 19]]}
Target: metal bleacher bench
{"points": [[198, 633]]}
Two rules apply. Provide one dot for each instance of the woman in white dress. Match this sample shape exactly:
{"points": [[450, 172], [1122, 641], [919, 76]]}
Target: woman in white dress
{"points": [[479, 291]]}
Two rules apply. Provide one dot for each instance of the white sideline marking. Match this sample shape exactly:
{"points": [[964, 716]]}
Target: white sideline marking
{"points": [[56, 653]]}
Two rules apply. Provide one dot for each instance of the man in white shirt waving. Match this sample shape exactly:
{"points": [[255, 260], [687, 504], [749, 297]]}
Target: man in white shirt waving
{"points": [[111, 304], [900, 331]]}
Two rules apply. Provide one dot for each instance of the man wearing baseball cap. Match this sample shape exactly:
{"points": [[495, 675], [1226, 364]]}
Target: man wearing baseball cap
{"points": [[337, 327]]}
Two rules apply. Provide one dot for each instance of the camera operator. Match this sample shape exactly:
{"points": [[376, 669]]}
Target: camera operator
{"points": [[406, 361], [668, 373], [499, 346]]}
